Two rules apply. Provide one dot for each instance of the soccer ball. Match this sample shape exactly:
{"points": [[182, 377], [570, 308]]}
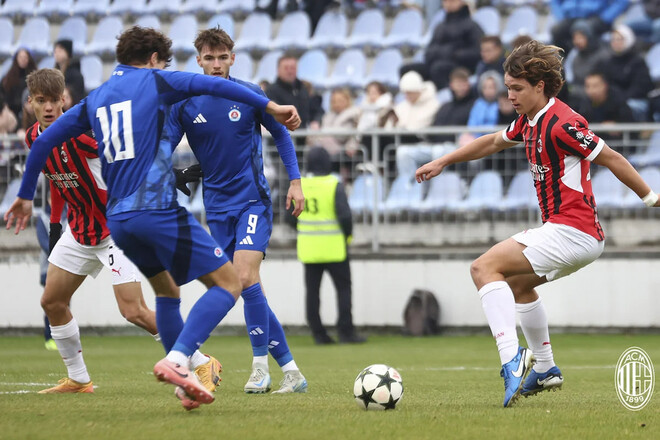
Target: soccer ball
{"points": [[378, 387]]}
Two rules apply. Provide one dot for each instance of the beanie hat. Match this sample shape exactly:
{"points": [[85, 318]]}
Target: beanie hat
{"points": [[67, 45]]}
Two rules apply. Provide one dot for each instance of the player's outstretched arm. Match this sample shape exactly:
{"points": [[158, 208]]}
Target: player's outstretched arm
{"points": [[19, 211], [284, 114], [480, 147], [296, 194], [627, 174]]}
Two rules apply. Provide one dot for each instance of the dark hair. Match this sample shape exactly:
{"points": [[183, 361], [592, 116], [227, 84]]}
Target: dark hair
{"points": [[286, 56], [13, 76], [379, 85], [136, 45], [497, 41], [213, 38], [48, 82], [536, 62], [460, 73]]}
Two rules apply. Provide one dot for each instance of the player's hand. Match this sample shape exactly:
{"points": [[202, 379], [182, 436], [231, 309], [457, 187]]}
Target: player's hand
{"points": [[183, 176], [54, 234], [429, 171], [20, 211], [296, 194], [284, 114]]}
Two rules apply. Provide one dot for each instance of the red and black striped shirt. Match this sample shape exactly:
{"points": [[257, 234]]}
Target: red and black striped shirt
{"points": [[74, 172], [559, 148]]}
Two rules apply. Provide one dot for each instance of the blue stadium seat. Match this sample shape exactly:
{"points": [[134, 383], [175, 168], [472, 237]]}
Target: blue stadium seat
{"points": [[404, 194], [90, 7], [162, 7], [293, 32], [385, 67], [174, 66], [438, 18], [54, 9], [200, 7], [192, 66], [225, 21], [255, 33], [485, 193], [121, 7], [651, 175], [313, 67], [149, 21], [350, 69], [74, 29], [183, 32], [16, 8], [46, 63], [10, 195], [104, 40], [368, 30], [489, 19], [652, 58], [237, 6], [6, 37], [446, 189], [521, 193], [522, 21], [91, 68], [406, 30], [267, 68], [4, 67], [608, 190], [35, 35], [365, 188], [243, 67], [330, 32], [650, 156], [545, 36]]}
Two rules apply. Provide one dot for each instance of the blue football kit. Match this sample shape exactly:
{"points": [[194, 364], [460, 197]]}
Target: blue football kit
{"points": [[225, 136], [127, 115]]}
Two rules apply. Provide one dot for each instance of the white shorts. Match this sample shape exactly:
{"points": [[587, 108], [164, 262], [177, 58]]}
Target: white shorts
{"points": [[80, 259], [555, 251]]}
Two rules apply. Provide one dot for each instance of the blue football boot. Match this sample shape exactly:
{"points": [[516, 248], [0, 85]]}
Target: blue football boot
{"points": [[514, 373], [537, 382]]}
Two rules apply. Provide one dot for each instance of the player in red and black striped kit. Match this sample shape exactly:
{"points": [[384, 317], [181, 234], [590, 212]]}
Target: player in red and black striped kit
{"points": [[74, 173], [559, 148]]}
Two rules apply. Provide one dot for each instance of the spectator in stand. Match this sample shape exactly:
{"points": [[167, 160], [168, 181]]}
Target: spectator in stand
{"points": [[626, 69], [586, 56], [70, 67], [315, 9], [288, 89], [492, 55], [598, 15], [13, 83], [647, 26], [374, 109], [419, 106], [8, 120], [602, 103], [456, 111], [455, 43], [485, 109]]}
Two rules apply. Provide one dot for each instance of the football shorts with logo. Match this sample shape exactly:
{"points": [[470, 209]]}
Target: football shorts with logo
{"points": [[242, 229], [85, 260], [168, 239]]}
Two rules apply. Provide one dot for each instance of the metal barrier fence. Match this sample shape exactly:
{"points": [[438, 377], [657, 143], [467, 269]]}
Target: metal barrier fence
{"points": [[469, 204]]}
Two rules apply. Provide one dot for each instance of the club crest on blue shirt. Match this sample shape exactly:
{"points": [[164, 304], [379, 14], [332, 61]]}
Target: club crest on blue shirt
{"points": [[218, 251], [234, 113]]}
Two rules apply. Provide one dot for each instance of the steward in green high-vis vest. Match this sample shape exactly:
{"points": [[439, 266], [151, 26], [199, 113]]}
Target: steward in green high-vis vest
{"points": [[320, 238]]}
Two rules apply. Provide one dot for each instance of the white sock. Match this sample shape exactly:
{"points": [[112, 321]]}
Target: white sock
{"points": [[67, 339], [156, 337], [534, 323], [500, 308], [261, 360], [198, 358], [289, 366], [178, 357]]}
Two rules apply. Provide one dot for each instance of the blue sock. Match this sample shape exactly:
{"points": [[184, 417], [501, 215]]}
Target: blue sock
{"points": [[205, 315], [277, 344], [168, 320], [256, 319]]}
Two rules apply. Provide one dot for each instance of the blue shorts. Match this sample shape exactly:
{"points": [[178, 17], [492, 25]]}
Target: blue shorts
{"points": [[248, 228], [169, 239]]}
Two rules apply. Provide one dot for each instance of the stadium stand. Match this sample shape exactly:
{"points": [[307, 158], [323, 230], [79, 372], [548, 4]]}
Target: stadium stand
{"points": [[255, 34], [121, 7], [385, 68], [404, 194], [18, 8], [191, 65], [237, 6], [74, 29], [104, 40], [438, 18], [368, 30], [652, 176], [6, 37], [91, 68], [267, 68], [366, 187], [445, 190], [293, 32], [225, 21], [406, 31], [183, 32], [90, 8], [521, 21], [149, 20], [163, 8], [488, 18], [54, 9], [46, 63], [36, 36], [521, 193], [608, 190], [349, 70], [243, 67], [313, 67], [485, 192], [331, 32]]}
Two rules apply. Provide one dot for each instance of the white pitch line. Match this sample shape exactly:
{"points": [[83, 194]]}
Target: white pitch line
{"points": [[26, 384], [17, 392]]}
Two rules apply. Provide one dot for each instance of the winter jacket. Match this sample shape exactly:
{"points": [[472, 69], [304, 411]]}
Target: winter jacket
{"points": [[628, 72], [373, 113], [421, 113], [295, 94], [455, 112], [607, 10]]}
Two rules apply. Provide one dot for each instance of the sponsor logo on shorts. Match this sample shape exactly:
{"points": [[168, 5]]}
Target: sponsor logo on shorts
{"points": [[218, 252], [634, 378]]}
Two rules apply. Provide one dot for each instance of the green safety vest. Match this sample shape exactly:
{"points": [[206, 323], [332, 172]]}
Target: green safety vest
{"points": [[320, 239]]}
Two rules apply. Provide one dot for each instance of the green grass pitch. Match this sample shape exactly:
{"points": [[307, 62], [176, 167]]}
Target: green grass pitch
{"points": [[452, 391]]}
